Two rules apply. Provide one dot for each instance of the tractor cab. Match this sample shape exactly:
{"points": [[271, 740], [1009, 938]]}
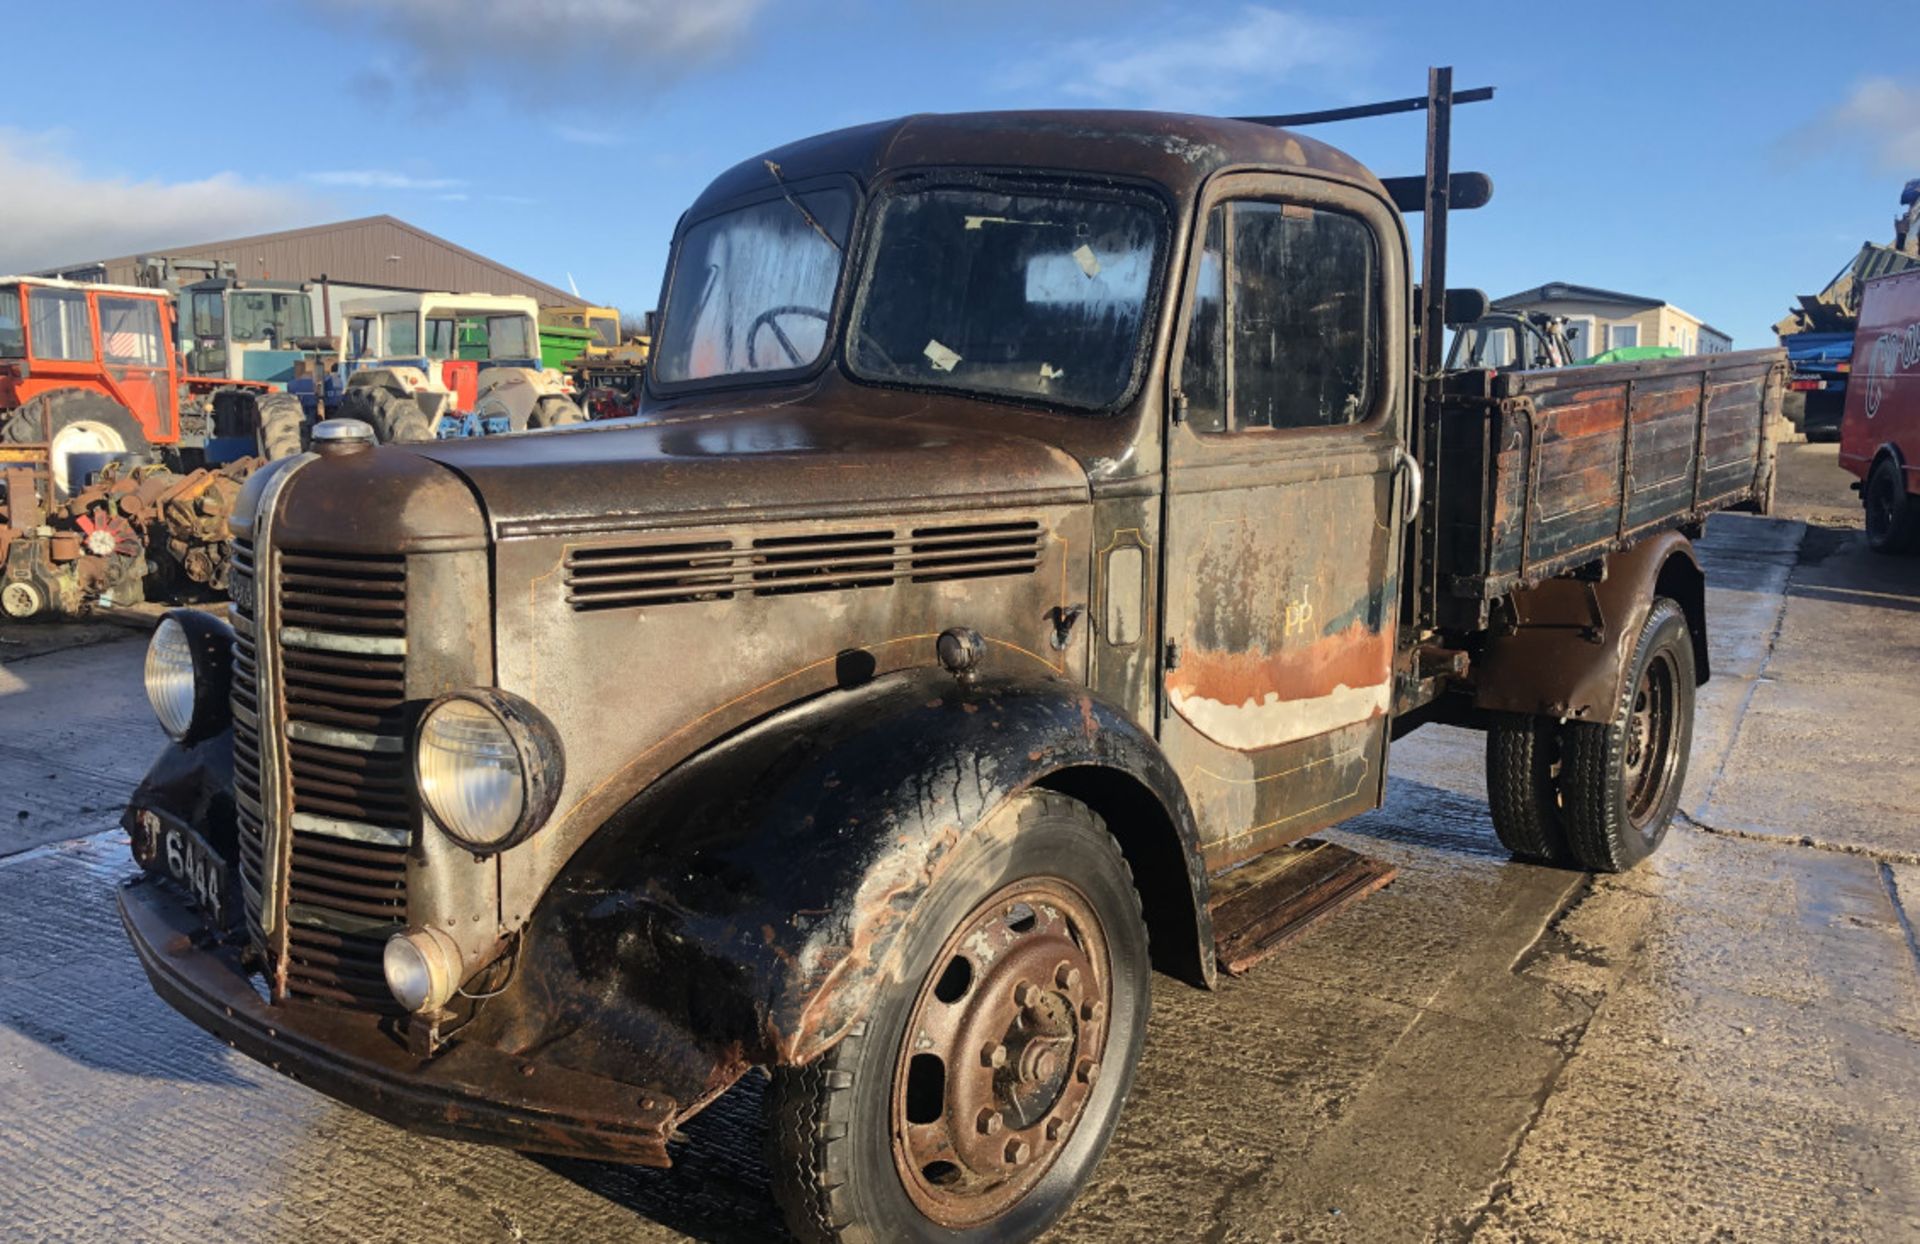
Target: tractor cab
{"points": [[246, 330], [433, 366], [87, 370]]}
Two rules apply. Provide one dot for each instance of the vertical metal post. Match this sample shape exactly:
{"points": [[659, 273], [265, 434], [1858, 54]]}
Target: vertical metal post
{"points": [[1433, 328]]}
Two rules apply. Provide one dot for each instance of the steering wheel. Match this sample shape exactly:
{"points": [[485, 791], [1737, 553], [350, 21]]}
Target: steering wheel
{"points": [[770, 319]]}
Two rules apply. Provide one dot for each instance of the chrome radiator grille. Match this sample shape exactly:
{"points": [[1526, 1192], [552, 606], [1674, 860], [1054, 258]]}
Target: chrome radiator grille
{"points": [[340, 707]]}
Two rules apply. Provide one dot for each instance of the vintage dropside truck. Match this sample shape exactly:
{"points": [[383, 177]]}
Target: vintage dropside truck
{"points": [[1037, 525]]}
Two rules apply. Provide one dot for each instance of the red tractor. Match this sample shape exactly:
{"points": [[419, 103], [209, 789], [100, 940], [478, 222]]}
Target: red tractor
{"points": [[103, 463]]}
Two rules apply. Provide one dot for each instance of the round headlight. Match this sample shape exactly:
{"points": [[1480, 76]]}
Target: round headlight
{"points": [[422, 967], [170, 677], [190, 674], [489, 768]]}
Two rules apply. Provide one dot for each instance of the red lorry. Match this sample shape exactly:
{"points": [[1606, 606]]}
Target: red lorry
{"points": [[1880, 430]]}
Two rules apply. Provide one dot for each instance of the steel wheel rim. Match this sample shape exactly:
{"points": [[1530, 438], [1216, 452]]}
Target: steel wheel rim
{"points": [[1650, 754], [1002, 1052], [82, 436]]}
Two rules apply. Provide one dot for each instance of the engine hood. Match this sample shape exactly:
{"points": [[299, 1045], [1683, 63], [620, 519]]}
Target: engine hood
{"points": [[789, 461]]}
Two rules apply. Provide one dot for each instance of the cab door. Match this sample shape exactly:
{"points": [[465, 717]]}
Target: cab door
{"points": [[136, 355], [1285, 495]]}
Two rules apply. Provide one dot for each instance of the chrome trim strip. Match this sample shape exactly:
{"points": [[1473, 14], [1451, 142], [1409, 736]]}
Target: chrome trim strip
{"points": [[329, 641], [357, 831], [275, 797], [338, 921], [354, 740]]}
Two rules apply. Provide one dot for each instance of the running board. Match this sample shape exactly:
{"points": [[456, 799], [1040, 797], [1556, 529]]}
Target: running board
{"points": [[1261, 906]]}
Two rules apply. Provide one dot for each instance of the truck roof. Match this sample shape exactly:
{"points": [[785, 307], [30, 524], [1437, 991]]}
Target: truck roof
{"points": [[1176, 150], [98, 287]]}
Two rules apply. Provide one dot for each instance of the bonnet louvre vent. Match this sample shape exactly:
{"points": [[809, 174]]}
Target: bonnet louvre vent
{"points": [[671, 573]]}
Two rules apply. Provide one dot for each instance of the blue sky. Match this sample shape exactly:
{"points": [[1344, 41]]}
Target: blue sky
{"points": [[1723, 156]]}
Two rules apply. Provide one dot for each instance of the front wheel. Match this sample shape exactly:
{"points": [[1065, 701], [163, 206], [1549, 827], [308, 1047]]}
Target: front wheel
{"points": [[979, 1093], [1893, 520], [1621, 779]]}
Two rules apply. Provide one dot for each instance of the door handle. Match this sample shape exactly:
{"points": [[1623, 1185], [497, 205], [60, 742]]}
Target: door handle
{"points": [[1403, 463]]}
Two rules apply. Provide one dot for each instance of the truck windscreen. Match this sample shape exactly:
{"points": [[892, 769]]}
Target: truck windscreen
{"points": [[753, 288], [1026, 295]]}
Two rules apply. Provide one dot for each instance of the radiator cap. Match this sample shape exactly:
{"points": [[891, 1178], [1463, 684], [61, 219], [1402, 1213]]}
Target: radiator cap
{"points": [[341, 436]]}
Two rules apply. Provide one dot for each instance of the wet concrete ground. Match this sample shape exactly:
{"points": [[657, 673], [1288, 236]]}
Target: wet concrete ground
{"points": [[1722, 1044]]}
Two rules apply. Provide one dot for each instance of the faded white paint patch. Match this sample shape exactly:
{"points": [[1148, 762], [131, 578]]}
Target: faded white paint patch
{"points": [[1250, 726]]}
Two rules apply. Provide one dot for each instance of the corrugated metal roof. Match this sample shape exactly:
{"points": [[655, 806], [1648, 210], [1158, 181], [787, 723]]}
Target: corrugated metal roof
{"points": [[372, 250]]}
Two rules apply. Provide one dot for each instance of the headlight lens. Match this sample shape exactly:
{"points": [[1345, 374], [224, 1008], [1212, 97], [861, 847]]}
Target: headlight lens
{"points": [[471, 774], [422, 968], [170, 681]]}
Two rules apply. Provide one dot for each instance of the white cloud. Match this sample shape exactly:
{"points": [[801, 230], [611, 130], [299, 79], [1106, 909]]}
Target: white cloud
{"points": [[535, 45], [1887, 115], [55, 212], [381, 179], [1190, 63]]}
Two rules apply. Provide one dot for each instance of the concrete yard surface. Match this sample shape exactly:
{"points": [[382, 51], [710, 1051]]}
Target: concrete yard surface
{"points": [[1723, 1043]]}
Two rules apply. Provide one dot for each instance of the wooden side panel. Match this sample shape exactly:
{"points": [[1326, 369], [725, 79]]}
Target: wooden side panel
{"points": [[1579, 461], [1662, 434]]}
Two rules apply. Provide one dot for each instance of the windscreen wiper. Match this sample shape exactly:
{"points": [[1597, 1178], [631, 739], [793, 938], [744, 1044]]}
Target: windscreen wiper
{"points": [[798, 206]]}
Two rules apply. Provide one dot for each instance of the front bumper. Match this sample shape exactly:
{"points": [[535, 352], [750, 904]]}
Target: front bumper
{"points": [[469, 1091]]}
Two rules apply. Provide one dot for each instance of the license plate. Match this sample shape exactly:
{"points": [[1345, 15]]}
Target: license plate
{"points": [[184, 855]]}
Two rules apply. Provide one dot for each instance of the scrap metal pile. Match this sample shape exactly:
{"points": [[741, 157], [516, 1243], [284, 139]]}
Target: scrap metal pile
{"points": [[131, 535]]}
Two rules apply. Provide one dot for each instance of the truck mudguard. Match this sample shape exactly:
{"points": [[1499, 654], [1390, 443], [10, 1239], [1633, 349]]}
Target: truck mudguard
{"points": [[745, 908], [1566, 653]]}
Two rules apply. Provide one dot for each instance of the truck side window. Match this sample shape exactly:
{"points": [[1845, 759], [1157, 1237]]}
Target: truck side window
{"points": [[1305, 329], [1203, 372]]}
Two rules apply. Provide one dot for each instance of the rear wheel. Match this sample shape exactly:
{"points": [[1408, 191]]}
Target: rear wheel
{"points": [[1893, 520], [1523, 796], [1620, 779], [82, 429], [392, 416], [278, 422], [977, 1096], [553, 411]]}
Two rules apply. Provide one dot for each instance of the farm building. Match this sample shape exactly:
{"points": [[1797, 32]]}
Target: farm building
{"points": [[375, 252]]}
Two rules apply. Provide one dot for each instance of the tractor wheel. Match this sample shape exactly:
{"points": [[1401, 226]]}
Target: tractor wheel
{"points": [[278, 423], [75, 422], [393, 416], [553, 411], [973, 1101]]}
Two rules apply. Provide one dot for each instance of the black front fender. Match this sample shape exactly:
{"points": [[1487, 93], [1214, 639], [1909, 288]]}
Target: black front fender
{"points": [[746, 908]]}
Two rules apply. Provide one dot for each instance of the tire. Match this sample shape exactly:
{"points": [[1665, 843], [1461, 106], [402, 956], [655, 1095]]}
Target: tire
{"points": [[839, 1175], [1893, 520], [1620, 780], [553, 411], [278, 424], [83, 421], [392, 416], [1522, 795]]}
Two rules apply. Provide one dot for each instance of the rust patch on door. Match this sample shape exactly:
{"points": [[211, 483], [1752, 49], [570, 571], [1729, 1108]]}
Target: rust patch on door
{"points": [[1257, 699]]}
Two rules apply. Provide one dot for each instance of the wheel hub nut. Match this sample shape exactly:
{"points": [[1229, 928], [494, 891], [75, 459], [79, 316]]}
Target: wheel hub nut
{"points": [[993, 1056], [990, 1122], [1088, 1071], [1018, 1151], [1067, 977], [1025, 995]]}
